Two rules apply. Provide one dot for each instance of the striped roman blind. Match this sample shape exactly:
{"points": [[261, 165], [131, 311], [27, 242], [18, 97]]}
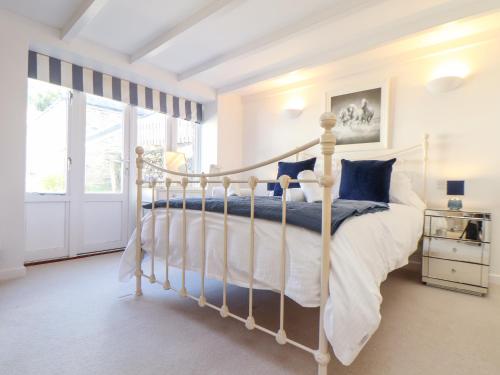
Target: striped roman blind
{"points": [[56, 71]]}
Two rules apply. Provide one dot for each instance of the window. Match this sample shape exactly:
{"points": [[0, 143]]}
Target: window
{"points": [[104, 145], [47, 138], [158, 133], [187, 142], [152, 135]]}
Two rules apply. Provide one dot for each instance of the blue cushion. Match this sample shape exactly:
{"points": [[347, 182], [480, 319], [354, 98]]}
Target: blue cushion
{"points": [[292, 170], [366, 180], [270, 186]]}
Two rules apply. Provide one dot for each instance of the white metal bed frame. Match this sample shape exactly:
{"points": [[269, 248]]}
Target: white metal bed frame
{"points": [[327, 143]]}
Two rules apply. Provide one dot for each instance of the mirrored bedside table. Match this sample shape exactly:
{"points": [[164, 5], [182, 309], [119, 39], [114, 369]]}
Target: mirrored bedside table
{"points": [[456, 250]]}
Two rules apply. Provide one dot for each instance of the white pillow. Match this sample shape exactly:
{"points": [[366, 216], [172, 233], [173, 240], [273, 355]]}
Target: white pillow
{"points": [[401, 191], [312, 190], [295, 195], [336, 173], [218, 192], [233, 190]]}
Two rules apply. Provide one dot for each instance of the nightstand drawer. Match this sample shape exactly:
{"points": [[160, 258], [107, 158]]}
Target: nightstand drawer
{"points": [[456, 250], [459, 272]]}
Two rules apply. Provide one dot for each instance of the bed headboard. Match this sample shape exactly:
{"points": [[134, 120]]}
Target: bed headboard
{"points": [[412, 160]]}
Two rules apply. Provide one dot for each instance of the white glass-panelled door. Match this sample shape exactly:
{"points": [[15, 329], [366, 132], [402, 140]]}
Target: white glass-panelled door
{"points": [[77, 173]]}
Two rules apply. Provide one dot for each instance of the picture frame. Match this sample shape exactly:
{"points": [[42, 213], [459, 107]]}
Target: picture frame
{"points": [[362, 116]]}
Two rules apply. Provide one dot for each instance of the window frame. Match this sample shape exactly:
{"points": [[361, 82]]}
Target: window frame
{"points": [[70, 113], [76, 112], [125, 122], [171, 126]]}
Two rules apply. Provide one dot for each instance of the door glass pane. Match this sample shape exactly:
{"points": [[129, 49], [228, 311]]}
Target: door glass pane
{"points": [[47, 138], [104, 145], [152, 135]]}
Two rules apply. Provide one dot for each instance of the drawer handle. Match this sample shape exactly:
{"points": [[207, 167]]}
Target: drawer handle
{"points": [[455, 249], [453, 270]]}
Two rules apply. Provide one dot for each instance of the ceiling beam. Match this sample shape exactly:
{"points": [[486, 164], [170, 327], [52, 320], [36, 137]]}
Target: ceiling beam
{"points": [[438, 15], [307, 23], [159, 44], [85, 13]]}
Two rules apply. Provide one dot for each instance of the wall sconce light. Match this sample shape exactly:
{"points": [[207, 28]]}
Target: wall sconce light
{"points": [[294, 107], [447, 77]]}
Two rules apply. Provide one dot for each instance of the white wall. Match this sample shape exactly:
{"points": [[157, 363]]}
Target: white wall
{"points": [[209, 136], [464, 125], [229, 131], [12, 147]]}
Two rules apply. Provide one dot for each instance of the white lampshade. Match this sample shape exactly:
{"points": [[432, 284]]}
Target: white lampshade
{"points": [[448, 76], [294, 107], [175, 161], [444, 84]]}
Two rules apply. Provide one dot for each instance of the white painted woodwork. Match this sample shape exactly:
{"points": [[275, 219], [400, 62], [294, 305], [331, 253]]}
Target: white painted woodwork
{"points": [[87, 11], [46, 230], [103, 225], [166, 284], [353, 44], [308, 22], [103, 216], [138, 249], [92, 221], [224, 49], [163, 41], [152, 277]]}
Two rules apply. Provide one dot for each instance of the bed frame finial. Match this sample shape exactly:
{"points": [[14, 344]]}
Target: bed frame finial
{"points": [[327, 139]]}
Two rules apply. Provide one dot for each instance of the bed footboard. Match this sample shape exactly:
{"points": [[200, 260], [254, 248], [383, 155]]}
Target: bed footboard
{"points": [[327, 143]]}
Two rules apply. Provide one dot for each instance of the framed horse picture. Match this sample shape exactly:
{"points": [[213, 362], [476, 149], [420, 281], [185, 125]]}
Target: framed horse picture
{"points": [[362, 116]]}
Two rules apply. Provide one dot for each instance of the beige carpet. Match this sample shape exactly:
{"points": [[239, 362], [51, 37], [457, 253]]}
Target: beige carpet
{"points": [[74, 318]]}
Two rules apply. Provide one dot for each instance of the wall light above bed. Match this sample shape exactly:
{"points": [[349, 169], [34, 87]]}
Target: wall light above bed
{"points": [[447, 77], [294, 107]]}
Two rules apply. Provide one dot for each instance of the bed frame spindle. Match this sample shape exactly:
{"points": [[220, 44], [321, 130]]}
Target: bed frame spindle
{"points": [[224, 310], [168, 183], [203, 184], [184, 183], [250, 323], [152, 277]]}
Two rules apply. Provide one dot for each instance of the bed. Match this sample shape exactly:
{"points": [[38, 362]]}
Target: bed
{"points": [[341, 274]]}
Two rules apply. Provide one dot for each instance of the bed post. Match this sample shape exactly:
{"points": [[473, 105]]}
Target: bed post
{"points": [[327, 142], [138, 249]]}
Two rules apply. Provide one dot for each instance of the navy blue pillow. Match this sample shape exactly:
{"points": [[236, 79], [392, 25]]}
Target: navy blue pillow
{"points": [[292, 170], [366, 180]]}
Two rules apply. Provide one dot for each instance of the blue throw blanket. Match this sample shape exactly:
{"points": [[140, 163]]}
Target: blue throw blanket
{"points": [[302, 214]]}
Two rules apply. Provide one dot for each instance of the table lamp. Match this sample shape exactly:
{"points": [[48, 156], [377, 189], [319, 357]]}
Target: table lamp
{"points": [[455, 189], [175, 161]]}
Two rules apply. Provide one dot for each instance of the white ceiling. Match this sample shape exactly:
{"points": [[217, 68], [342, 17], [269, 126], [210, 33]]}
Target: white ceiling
{"points": [[236, 44]]}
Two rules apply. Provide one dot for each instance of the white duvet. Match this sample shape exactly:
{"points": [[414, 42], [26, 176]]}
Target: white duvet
{"points": [[364, 250]]}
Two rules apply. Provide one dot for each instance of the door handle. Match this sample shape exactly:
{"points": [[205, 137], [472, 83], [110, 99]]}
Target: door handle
{"points": [[69, 162]]}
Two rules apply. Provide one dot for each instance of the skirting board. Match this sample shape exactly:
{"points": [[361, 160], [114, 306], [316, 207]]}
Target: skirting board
{"points": [[12, 273]]}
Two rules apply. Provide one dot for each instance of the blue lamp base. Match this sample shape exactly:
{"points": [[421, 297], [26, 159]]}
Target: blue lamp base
{"points": [[455, 204]]}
